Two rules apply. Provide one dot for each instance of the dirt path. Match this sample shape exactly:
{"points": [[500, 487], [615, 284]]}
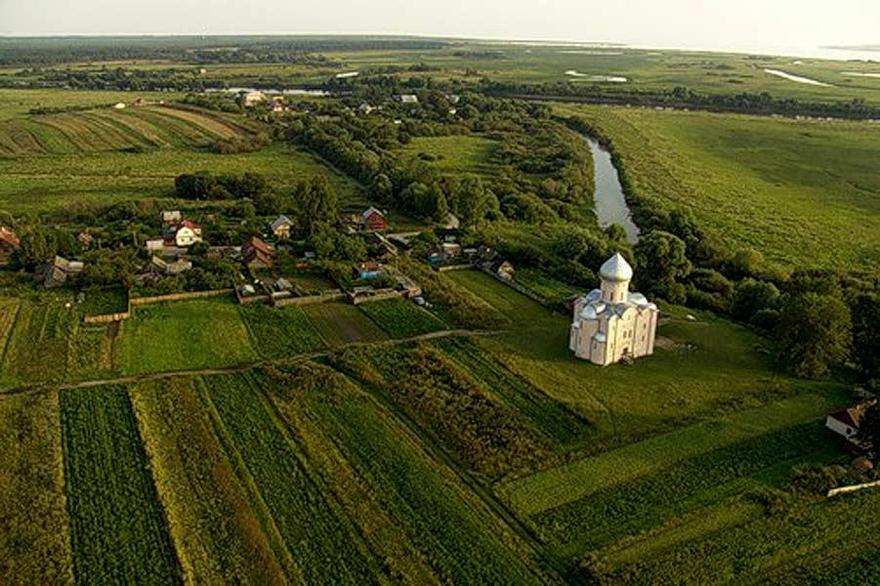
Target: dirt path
{"points": [[152, 376]]}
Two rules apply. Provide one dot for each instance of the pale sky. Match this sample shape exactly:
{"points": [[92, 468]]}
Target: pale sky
{"points": [[710, 24]]}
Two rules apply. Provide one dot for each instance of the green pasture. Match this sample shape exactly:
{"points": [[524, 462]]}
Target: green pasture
{"points": [[802, 193]]}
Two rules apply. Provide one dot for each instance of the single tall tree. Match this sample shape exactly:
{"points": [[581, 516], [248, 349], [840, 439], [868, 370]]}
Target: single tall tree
{"points": [[815, 332]]}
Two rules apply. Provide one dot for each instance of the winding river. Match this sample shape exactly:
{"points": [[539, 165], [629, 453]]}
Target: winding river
{"points": [[610, 203]]}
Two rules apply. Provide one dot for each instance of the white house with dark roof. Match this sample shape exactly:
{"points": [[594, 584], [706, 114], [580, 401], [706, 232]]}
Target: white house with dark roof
{"points": [[610, 323]]}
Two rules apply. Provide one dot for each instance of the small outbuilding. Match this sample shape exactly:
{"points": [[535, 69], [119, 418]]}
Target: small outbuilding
{"points": [[281, 227], [8, 244]]}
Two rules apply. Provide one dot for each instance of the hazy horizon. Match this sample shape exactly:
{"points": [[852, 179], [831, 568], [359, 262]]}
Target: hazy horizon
{"points": [[745, 25]]}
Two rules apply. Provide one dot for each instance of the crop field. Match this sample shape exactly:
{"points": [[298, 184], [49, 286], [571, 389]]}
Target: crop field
{"points": [[117, 523], [454, 409], [519, 309], [277, 332], [317, 535], [108, 129], [37, 349], [545, 287], [401, 318], [34, 534], [92, 353], [802, 193], [459, 538], [552, 418], [218, 535], [343, 323], [184, 335]]}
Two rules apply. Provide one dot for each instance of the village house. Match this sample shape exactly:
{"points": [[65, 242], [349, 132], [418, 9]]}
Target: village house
{"points": [[451, 222], [256, 254], [184, 234], [409, 99], [8, 244], [365, 108], [367, 271], [372, 219], [847, 424], [56, 273], [610, 323], [281, 227]]}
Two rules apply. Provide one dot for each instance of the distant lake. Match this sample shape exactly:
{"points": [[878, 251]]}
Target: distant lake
{"points": [[609, 201]]}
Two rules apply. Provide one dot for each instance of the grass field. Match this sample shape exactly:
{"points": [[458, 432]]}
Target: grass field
{"points": [[401, 318], [184, 335], [34, 532], [219, 537], [803, 193], [455, 155], [50, 182], [117, 523], [343, 323], [516, 307]]}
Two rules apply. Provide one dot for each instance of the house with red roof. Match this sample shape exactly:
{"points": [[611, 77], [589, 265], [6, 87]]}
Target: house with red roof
{"points": [[372, 220], [184, 234], [256, 254], [847, 423]]}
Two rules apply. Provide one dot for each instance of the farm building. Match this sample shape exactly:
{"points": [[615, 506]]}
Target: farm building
{"points": [[256, 254], [8, 244], [154, 245], [373, 220], [503, 269], [85, 239], [281, 227], [185, 234], [161, 266], [847, 423], [171, 218], [611, 324], [56, 273], [252, 98]]}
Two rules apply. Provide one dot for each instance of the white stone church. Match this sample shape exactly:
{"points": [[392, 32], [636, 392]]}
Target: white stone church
{"points": [[611, 324]]}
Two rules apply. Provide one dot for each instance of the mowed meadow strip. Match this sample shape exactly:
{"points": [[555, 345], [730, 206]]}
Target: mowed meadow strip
{"points": [[578, 479], [118, 528], [459, 537], [34, 533], [316, 533], [218, 535]]}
